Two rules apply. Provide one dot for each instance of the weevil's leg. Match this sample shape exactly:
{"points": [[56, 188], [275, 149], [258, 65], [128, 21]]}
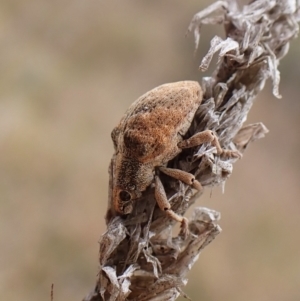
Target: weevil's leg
{"points": [[182, 176], [208, 137], [164, 205]]}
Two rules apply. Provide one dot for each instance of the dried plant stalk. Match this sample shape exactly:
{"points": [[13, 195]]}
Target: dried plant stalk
{"points": [[139, 258]]}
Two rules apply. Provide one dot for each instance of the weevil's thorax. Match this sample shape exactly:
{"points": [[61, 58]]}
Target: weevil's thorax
{"points": [[132, 174], [131, 178]]}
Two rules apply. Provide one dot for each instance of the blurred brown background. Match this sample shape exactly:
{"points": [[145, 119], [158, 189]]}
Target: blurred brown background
{"points": [[69, 69]]}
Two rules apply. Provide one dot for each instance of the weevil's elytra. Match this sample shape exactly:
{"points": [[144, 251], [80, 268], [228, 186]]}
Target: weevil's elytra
{"points": [[149, 135]]}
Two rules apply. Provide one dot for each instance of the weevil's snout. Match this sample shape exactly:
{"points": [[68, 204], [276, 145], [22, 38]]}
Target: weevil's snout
{"points": [[123, 201]]}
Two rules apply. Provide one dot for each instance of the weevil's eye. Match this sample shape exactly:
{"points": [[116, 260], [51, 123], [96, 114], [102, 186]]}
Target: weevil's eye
{"points": [[124, 196]]}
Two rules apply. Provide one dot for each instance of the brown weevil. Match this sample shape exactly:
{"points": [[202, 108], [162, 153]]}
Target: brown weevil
{"points": [[149, 135]]}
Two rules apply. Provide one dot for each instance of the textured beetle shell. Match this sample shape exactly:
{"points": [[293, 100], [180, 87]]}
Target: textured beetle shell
{"points": [[155, 122], [148, 134]]}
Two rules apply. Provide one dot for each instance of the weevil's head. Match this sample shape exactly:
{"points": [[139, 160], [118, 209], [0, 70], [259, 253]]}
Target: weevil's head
{"points": [[131, 179]]}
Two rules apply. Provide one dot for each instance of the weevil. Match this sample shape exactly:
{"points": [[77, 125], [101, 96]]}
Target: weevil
{"points": [[148, 136]]}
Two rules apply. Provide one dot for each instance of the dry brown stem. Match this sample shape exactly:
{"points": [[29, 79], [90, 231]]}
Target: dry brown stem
{"points": [[139, 258]]}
